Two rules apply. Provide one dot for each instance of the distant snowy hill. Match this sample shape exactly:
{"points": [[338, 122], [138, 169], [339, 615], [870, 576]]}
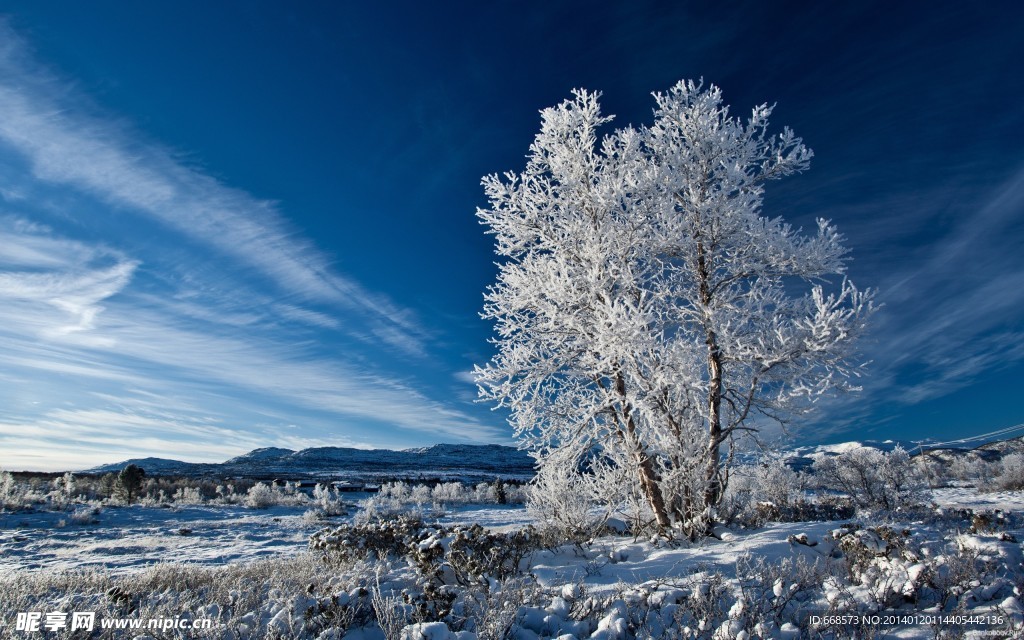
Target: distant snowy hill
{"points": [[987, 446], [467, 462], [266, 453], [483, 462], [154, 466]]}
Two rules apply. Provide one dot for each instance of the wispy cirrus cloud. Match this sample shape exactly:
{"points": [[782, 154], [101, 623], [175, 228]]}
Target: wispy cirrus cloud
{"points": [[100, 434], [66, 146], [55, 287], [954, 313], [232, 333], [70, 320], [971, 286]]}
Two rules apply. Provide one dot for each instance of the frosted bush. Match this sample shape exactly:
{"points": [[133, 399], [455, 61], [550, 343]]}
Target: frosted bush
{"points": [[449, 493], [85, 515], [872, 478], [483, 493], [188, 495], [260, 496], [397, 491], [421, 495], [973, 469], [467, 556], [779, 484], [11, 495], [63, 491], [771, 491], [934, 473], [773, 593], [397, 498], [375, 540], [328, 501], [1010, 476], [227, 494], [306, 596], [561, 497], [492, 611]]}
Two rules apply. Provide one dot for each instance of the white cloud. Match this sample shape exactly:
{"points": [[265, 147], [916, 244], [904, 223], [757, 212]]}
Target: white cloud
{"points": [[947, 318], [467, 377], [52, 323], [126, 348], [64, 146]]}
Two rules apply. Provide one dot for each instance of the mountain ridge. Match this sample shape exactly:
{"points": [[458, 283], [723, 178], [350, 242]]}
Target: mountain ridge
{"points": [[469, 462], [441, 460]]}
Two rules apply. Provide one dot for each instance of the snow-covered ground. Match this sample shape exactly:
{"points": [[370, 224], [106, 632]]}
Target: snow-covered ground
{"points": [[622, 577], [970, 498], [127, 538]]}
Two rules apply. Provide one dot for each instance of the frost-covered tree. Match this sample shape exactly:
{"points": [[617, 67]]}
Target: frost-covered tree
{"points": [[9, 492], [644, 307]]}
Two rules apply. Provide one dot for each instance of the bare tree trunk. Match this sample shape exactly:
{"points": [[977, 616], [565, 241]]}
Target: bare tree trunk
{"points": [[649, 481], [712, 471], [712, 476], [648, 475]]}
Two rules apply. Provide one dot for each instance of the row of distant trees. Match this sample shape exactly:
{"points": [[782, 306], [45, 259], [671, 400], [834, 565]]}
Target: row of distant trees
{"points": [[65, 489]]}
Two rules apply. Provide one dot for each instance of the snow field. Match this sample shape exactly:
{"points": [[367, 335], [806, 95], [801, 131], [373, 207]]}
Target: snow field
{"points": [[920, 572]]}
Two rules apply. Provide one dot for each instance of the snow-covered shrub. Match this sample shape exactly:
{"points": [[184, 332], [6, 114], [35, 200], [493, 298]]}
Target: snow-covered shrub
{"points": [[63, 491], [378, 540], [561, 497], [327, 501], [382, 507], [472, 555], [774, 593], [399, 496], [420, 495], [229, 494], [449, 493], [861, 548], [934, 473], [391, 611], [398, 491], [85, 515], [188, 495], [706, 600], [260, 496], [1010, 476], [11, 495], [972, 469], [872, 478], [483, 493], [491, 612], [769, 491], [779, 484]]}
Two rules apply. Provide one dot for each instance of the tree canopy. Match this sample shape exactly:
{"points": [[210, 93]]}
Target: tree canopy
{"points": [[644, 307]]}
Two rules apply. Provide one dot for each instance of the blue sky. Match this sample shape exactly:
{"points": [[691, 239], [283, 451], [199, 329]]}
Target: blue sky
{"points": [[242, 224]]}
